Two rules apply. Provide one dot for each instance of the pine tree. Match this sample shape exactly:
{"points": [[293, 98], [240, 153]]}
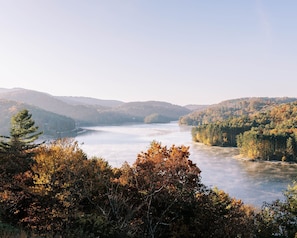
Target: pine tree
{"points": [[16, 159], [16, 149]]}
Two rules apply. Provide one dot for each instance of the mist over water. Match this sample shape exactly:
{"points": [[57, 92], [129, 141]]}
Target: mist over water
{"points": [[253, 182]]}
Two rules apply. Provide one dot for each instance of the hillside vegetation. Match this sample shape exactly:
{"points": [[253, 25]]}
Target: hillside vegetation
{"points": [[268, 133], [231, 108], [51, 124]]}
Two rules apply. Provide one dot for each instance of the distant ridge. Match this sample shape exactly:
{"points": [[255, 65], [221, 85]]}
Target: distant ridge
{"points": [[86, 111], [194, 107], [50, 103], [143, 109], [74, 100], [6, 90]]}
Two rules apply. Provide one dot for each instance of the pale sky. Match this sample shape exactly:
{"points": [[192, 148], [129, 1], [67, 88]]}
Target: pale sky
{"points": [[179, 51]]}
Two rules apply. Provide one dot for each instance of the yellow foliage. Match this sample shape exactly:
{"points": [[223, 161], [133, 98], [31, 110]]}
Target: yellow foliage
{"points": [[56, 162]]}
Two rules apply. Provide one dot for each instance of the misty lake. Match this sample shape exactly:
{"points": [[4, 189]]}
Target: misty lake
{"points": [[253, 182]]}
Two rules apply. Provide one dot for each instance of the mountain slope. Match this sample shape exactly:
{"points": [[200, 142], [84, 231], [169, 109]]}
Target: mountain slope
{"points": [[145, 109], [89, 101], [50, 123], [90, 111], [81, 113], [232, 108]]}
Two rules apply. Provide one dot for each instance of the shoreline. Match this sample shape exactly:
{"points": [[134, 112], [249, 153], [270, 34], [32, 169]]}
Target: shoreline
{"points": [[243, 158]]}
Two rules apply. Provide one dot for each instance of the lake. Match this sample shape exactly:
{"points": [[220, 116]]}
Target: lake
{"points": [[253, 182]]}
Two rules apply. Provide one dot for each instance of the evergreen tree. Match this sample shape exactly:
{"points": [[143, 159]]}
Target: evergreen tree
{"points": [[16, 149]]}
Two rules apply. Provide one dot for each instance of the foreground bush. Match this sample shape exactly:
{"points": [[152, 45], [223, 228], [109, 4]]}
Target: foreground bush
{"points": [[62, 193], [160, 195], [279, 219]]}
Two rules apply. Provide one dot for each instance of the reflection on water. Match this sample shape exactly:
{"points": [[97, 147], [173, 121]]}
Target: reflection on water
{"points": [[253, 182]]}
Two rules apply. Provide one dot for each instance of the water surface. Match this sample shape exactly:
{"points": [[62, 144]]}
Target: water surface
{"points": [[253, 182]]}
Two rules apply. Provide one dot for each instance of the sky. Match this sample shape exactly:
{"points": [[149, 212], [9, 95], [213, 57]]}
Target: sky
{"points": [[182, 52]]}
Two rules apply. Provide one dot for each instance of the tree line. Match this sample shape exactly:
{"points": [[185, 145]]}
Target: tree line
{"points": [[269, 135], [54, 190]]}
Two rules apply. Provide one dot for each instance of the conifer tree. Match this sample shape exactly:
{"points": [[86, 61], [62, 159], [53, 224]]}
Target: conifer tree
{"points": [[16, 149]]}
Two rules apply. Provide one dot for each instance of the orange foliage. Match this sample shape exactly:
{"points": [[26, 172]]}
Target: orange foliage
{"points": [[163, 167]]}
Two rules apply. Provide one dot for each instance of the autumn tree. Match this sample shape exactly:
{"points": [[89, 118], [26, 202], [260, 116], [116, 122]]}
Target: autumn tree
{"points": [[279, 218], [72, 191], [161, 179], [57, 183], [220, 215], [169, 199]]}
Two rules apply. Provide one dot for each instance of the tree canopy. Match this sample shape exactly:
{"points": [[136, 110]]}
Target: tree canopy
{"points": [[267, 135]]}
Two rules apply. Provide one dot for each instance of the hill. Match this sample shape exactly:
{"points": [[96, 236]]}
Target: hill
{"points": [[86, 111], [51, 124], [168, 112], [232, 108], [90, 101], [80, 113], [269, 134]]}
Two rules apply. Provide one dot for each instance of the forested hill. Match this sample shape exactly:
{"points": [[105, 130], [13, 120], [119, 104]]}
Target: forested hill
{"points": [[153, 111], [232, 108], [86, 111], [82, 114], [267, 135], [50, 123]]}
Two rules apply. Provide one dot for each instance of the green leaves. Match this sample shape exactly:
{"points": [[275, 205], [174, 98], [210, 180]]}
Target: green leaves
{"points": [[23, 127], [16, 154]]}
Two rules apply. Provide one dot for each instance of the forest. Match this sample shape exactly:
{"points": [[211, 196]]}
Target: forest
{"points": [[232, 108], [54, 190], [267, 135]]}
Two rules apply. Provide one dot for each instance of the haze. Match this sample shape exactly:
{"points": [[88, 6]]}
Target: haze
{"points": [[183, 52]]}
